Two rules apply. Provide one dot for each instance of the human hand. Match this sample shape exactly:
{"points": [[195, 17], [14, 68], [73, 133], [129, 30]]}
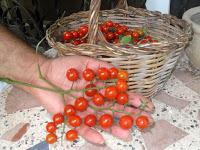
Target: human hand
{"points": [[54, 70]]}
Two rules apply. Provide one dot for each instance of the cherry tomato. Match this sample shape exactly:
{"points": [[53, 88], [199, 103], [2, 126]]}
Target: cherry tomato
{"points": [[69, 110], [110, 36], [83, 40], [111, 92], [51, 138], [122, 98], [80, 34], [148, 38], [88, 74], [58, 118], [122, 74], [51, 127], [74, 120], [106, 121], [142, 122], [76, 42], [72, 74], [125, 28], [116, 41], [116, 25], [90, 92], [67, 35], [135, 41], [83, 29], [120, 30], [71, 135], [90, 120], [126, 122], [81, 104], [135, 35], [121, 86], [103, 73], [113, 73], [109, 23], [128, 33], [98, 99], [75, 34], [104, 29], [143, 41]]}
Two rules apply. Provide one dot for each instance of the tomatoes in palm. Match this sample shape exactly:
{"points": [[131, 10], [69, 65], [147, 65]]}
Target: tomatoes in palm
{"points": [[72, 74], [113, 73], [51, 138], [71, 135], [126, 122], [58, 118], [88, 74], [98, 99], [69, 110], [90, 90], [142, 122], [51, 127], [106, 121], [111, 92], [74, 120], [122, 98], [103, 73], [121, 86], [90, 120], [122, 74], [81, 104]]}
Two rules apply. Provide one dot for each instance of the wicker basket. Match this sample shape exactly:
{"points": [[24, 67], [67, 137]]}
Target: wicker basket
{"points": [[149, 65]]}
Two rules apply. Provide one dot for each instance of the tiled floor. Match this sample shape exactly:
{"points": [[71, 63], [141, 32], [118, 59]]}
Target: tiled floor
{"points": [[177, 119]]}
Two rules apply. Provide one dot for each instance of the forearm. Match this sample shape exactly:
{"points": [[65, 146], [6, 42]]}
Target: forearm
{"points": [[17, 59]]}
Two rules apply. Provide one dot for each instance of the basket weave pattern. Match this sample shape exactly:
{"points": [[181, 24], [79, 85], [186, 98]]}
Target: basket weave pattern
{"points": [[149, 65]]}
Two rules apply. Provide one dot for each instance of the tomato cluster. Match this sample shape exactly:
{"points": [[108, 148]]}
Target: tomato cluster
{"points": [[116, 92], [113, 33], [119, 33], [76, 37]]}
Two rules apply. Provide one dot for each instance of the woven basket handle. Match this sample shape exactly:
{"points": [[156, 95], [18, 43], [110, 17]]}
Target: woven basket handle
{"points": [[94, 17]]}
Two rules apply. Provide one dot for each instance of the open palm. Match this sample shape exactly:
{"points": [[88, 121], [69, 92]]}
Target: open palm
{"points": [[55, 71]]}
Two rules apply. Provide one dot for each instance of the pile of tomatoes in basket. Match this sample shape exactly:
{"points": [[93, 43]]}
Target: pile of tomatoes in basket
{"points": [[113, 33]]}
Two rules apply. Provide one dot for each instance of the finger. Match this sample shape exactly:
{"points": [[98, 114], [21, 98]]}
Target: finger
{"points": [[90, 135], [141, 102]]}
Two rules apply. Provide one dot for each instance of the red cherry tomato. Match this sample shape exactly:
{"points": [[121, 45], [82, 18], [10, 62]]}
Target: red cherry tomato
{"points": [[71, 135], [67, 35], [58, 118], [121, 86], [90, 92], [51, 127], [116, 25], [83, 29], [125, 28], [76, 42], [90, 120], [109, 23], [83, 40], [103, 73], [75, 34], [81, 104], [126, 122], [104, 29], [120, 30], [80, 34], [148, 38], [142, 122], [113, 73], [51, 138], [98, 99], [111, 92], [122, 98], [69, 110], [135, 35], [116, 41], [72, 74], [74, 120], [110, 36], [128, 33], [106, 121], [88, 74], [143, 41], [122, 75]]}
